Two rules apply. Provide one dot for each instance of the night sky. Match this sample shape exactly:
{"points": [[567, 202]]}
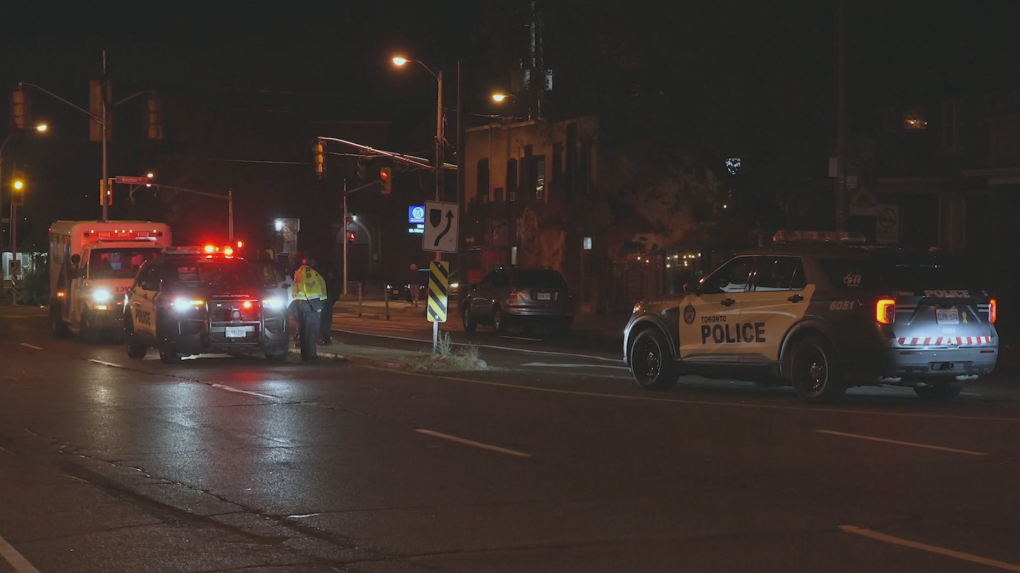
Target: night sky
{"points": [[251, 80]]}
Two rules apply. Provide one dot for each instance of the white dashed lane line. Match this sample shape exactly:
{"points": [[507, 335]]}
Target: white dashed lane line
{"points": [[473, 443], [929, 548], [32, 346], [11, 555], [899, 443], [104, 363]]}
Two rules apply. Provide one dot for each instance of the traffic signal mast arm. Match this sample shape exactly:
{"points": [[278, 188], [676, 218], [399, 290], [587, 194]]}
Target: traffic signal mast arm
{"points": [[397, 157], [85, 111]]}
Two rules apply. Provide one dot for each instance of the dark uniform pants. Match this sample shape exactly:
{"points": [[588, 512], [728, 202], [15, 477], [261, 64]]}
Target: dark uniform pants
{"points": [[326, 326], [310, 312]]}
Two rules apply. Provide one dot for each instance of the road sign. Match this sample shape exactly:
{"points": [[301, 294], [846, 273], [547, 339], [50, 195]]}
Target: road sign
{"points": [[440, 227], [415, 214], [887, 224], [439, 286], [131, 180]]}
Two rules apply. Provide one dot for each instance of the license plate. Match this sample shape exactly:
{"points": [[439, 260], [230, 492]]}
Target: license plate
{"points": [[544, 296], [235, 332], [947, 316]]}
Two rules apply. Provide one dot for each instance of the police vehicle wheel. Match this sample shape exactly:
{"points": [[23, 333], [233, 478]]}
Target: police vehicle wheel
{"points": [[814, 372], [167, 354], [57, 324], [134, 348], [468, 320], [939, 391], [277, 357], [498, 324], [651, 361]]}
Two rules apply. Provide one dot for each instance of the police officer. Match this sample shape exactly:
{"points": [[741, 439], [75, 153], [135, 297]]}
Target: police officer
{"points": [[309, 290]]}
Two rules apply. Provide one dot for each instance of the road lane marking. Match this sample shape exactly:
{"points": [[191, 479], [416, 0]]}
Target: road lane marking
{"points": [[104, 363], [547, 365], [521, 338], [930, 548], [3, 449], [32, 346], [11, 555], [249, 392], [472, 443], [707, 402], [899, 443]]}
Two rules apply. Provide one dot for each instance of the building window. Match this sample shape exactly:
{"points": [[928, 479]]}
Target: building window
{"points": [[483, 180], [511, 179], [914, 119], [538, 175], [733, 165]]}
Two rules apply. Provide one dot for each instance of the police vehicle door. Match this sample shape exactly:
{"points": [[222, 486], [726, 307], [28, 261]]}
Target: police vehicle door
{"points": [[710, 317], [778, 298], [142, 299]]}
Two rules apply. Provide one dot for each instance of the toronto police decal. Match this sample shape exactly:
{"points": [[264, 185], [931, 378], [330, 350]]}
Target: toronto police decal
{"points": [[690, 314], [716, 329]]}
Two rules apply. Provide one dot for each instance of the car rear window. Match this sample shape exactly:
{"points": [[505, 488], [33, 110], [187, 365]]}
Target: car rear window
{"points": [[902, 272], [539, 278]]}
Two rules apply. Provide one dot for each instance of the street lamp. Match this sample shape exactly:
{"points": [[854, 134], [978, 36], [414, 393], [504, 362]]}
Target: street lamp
{"points": [[41, 128], [439, 125]]}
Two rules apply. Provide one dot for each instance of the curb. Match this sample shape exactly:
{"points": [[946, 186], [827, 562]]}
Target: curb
{"points": [[359, 360]]}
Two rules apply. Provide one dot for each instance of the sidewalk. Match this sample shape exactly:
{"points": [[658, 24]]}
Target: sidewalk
{"points": [[585, 324]]}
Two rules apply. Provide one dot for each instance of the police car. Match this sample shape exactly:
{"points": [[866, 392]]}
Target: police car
{"points": [[195, 300], [821, 311]]}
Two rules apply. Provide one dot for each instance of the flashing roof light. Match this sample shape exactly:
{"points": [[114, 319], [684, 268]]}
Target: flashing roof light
{"points": [[789, 236], [197, 250]]}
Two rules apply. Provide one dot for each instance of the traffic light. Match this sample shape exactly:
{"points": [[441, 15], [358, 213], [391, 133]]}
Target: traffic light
{"points": [[350, 236], [18, 185], [106, 192], [155, 108], [20, 109], [97, 102], [386, 177], [319, 155]]}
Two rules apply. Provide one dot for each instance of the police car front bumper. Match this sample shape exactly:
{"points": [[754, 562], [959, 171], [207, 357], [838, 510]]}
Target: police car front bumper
{"points": [[913, 365], [199, 336]]}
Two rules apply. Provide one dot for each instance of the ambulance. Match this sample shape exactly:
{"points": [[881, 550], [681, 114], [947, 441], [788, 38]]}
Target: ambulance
{"points": [[92, 266]]}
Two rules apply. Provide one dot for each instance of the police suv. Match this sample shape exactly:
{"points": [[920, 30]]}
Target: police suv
{"points": [[195, 300], [823, 312]]}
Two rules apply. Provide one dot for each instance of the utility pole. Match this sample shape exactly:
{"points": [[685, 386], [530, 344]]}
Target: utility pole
{"points": [[841, 199], [107, 191]]}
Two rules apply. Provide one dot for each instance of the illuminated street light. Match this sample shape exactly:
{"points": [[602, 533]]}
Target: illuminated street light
{"points": [[499, 97], [399, 61], [41, 127]]}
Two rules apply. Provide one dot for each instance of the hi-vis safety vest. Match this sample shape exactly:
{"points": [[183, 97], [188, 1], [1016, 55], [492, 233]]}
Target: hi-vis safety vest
{"points": [[308, 284]]}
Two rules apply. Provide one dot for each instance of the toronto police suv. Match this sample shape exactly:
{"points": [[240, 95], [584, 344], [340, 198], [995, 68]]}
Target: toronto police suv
{"points": [[196, 300], [823, 312]]}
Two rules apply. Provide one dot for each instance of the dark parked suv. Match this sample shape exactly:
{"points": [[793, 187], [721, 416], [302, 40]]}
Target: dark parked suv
{"points": [[519, 296]]}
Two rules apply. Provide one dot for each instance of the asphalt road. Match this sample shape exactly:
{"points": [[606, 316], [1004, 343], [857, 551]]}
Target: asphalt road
{"points": [[549, 460]]}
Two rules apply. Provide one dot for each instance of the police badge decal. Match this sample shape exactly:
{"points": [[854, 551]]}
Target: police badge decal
{"points": [[689, 314]]}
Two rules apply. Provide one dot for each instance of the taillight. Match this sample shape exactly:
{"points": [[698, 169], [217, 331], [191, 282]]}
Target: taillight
{"points": [[247, 304], [993, 311], [885, 311], [513, 294]]}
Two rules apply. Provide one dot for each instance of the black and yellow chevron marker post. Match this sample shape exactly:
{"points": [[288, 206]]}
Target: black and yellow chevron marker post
{"points": [[439, 286]]}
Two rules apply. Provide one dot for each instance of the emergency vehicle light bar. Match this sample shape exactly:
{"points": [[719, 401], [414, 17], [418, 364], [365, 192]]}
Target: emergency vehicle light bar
{"points": [[788, 236], [125, 234], [196, 250]]}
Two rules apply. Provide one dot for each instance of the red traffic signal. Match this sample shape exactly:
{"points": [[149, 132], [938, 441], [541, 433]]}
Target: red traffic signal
{"points": [[350, 236], [386, 178]]}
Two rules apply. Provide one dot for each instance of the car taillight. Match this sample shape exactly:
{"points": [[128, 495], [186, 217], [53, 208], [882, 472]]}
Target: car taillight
{"points": [[247, 304], [993, 311], [885, 311], [513, 294]]}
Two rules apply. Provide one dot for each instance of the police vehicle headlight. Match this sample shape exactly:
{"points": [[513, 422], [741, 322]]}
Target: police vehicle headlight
{"points": [[185, 304], [101, 295], [637, 308], [273, 304]]}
